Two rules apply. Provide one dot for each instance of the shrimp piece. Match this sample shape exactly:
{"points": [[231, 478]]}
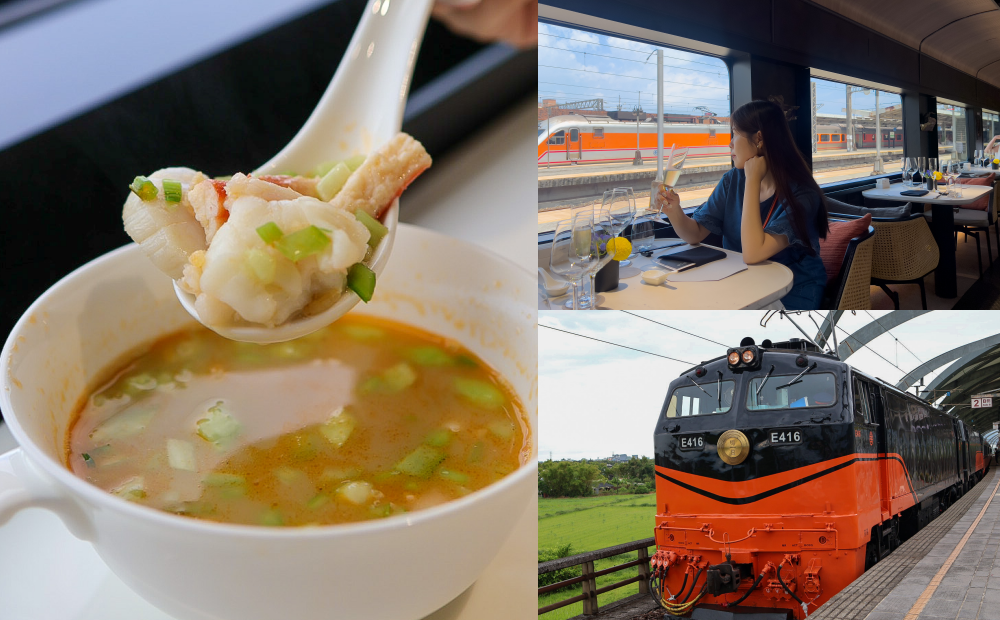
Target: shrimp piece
{"points": [[383, 176], [303, 185], [208, 199], [167, 232]]}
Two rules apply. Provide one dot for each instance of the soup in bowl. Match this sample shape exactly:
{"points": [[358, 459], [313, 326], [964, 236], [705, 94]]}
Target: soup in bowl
{"points": [[411, 531]]}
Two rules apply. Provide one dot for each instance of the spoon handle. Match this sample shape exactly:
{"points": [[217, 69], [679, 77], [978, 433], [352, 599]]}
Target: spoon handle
{"points": [[363, 105]]}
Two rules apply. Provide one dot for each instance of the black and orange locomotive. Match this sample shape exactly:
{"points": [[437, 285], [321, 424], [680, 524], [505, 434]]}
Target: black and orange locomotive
{"points": [[782, 474]]}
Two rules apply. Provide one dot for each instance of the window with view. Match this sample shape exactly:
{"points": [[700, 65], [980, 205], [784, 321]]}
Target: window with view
{"points": [[597, 93], [952, 138], [853, 128], [991, 125]]}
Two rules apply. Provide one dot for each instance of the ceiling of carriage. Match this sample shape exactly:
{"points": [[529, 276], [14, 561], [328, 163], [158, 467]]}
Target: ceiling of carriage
{"points": [[962, 33]]}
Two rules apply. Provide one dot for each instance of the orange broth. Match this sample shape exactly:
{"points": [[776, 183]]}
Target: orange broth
{"points": [[361, 420]]}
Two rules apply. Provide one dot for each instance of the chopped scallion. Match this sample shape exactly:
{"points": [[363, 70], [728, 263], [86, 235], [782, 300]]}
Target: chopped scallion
{"points": [[89, 461], [454, 476], [375, 227], [270, 232], [361, 280], [144, 188], [172, 190], [303, 243], [332, 182], [318, 502], [262, 265]]}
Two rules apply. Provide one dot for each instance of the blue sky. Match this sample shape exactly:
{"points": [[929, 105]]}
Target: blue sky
{"points": [[575, 65], [597, 399]]}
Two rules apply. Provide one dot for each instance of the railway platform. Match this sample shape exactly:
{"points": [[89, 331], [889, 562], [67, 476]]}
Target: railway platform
{"points": [[950, 570]]}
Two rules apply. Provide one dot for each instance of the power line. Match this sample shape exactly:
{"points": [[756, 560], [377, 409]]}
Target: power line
{"points": [[865, 346], [628, 49], [898, 341], [623, 90], [634, 77], [675, 329], [614, 344], [641, 62]]}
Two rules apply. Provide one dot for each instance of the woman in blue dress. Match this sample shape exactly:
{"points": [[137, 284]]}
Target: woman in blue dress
{"points": [[767, 207]]}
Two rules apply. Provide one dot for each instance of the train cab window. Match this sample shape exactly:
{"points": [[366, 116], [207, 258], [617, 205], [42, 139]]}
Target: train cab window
{"points": [[574, 135], [789, 392], [862, 407], [558, 137], [824, 137], [598, 133], [701, 399]]}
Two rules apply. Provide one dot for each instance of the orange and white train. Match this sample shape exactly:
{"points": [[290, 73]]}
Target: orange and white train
{"points": [[782, 474], [590, 140]]}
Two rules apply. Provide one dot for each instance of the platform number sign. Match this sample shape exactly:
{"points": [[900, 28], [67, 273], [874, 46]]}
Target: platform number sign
{"points": [[981, 402]]}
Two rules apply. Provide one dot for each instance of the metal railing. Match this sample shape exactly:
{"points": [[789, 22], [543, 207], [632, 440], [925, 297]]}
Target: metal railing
{"points": [[588, 579]]}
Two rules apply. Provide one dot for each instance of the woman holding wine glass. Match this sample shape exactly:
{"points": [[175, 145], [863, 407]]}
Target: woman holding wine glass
{"points": [[767, 207]]}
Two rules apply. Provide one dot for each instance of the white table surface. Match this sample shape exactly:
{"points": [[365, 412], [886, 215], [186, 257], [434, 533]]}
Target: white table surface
{"points": [[970, 193], [759, 286], [483, 192]]}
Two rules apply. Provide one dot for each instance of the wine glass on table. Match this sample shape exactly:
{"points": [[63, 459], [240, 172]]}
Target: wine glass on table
{"points": [[932, 169], [603, 232], [907, 173], [622, 211], [584, 300], [953, 171], [572, 253]]}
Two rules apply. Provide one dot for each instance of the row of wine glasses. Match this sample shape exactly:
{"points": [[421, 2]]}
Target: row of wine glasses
{"points": [[579, 248]]}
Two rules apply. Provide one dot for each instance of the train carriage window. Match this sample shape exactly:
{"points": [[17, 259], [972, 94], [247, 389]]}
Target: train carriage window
{"points": [[701, 399], [558, 137], [952, 136], [991, 125], [598, 133], [789, 392], [852, 113]]}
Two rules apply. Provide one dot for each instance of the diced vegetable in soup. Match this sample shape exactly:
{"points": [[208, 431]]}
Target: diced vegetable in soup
{"points": [[362, 420]]}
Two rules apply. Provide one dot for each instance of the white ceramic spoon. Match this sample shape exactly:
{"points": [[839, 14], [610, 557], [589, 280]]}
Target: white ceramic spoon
{"points": [[361, 109]]}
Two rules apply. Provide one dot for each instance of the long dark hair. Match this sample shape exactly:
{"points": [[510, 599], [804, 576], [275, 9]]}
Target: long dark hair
{"points": [[784, 161]]}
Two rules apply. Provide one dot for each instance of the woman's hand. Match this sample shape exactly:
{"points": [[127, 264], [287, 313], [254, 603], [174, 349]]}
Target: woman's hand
{"points": [[755, 168], [666, 200]]}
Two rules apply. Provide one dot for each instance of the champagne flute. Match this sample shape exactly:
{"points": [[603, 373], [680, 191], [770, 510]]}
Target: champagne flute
{"points": [[585, 294], [603, 232], [572, 252], [670, 176], [932, 167], [907, 180]]}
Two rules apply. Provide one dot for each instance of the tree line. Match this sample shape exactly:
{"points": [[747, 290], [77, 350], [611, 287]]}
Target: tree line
{"points": [[582, 478]]}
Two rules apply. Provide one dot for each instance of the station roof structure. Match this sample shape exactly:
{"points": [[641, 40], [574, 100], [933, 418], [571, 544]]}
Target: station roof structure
{"points": [[965, 371]]}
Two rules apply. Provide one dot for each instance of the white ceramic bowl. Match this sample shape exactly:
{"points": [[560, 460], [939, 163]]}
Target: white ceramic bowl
{"points": [[401, 568]]}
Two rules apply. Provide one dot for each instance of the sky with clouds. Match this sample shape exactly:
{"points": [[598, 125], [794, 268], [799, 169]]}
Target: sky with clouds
{"points": [[597, 399], [575, 65]]}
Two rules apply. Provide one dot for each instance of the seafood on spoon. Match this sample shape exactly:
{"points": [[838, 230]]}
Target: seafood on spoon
{"points": [[263, 250]]}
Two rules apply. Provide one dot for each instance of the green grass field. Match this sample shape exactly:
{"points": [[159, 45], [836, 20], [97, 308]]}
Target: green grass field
{"points": [[591, 523]]}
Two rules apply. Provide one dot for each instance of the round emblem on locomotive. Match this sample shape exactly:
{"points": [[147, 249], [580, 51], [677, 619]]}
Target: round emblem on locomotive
{"points": [[733, 447]]}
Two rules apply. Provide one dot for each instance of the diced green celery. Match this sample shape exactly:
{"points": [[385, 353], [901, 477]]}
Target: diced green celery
{"points": [[380, 511], [180, 455], [480, 392], [306, 448], [454, 476], [361, 280], [218, 425], [124, 424], [504, 429], [399, 377], [272, 517], [465, 360], [333, 181], [429, 356], [339, 427], [371, 385], [302, 243], [318, 501], [363, 332], [289, 475], [355, 162], [262, 265], [172, 190], [375, 227], [221, 479], [333, 474], [270, 232], [421, 462], [144, 188], [321, 170], [476, 452], [355, 492], [132, 489], [438, 438]]}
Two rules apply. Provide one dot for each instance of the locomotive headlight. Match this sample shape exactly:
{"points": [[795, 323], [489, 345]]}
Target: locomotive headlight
{"points": [[734, 358], [747, 356]]}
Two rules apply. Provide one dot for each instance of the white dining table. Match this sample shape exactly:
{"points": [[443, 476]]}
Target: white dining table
{"points": [[758, 286], [942, 225]]}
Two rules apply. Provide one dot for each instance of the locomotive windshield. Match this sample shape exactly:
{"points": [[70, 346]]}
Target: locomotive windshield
{"points": [[787, 392], [701, 399]]}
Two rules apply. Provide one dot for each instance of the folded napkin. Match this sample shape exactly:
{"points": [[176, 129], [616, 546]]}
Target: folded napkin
{"points": [[914, 192]]}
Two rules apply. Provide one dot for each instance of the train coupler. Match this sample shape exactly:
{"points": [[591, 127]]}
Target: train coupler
{"points": [[810, 582], [722, 578]]}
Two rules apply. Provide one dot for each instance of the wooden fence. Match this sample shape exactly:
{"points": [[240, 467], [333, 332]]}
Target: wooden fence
{"points": [[588, 579]]}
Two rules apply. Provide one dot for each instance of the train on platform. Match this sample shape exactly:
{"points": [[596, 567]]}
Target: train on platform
{"points": [[582, 139], [783, 473], [833, 138]]}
